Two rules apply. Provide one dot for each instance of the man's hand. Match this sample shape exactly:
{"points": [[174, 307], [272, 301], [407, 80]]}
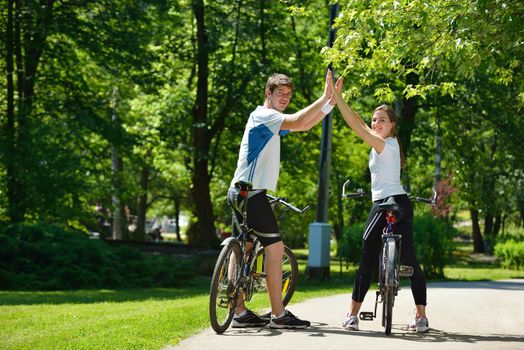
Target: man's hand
{"points": [[328, 85]]}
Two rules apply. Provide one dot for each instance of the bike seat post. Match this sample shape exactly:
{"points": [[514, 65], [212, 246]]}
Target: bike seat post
{"points": [[244, 189]]}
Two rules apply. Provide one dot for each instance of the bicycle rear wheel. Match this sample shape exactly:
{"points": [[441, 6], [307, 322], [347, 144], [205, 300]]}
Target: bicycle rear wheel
{"points": [[389, 300], [289, 274], [390, 247], [389, 277], [224, 287]]}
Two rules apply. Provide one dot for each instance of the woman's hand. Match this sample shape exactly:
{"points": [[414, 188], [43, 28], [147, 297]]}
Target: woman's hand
{"points": [[338, 89]]}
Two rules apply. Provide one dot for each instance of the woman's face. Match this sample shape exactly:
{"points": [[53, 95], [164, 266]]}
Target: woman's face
{"points": [[381, 124]]}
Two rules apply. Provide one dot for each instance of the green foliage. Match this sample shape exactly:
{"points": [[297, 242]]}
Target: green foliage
{"points": [[137, 61], [41, 257], [433, 247], [394, 39], [350, 244], [511, 254]]}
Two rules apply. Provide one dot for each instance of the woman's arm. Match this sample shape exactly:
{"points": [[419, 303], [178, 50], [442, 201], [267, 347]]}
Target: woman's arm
{"points": [[358, 125]]}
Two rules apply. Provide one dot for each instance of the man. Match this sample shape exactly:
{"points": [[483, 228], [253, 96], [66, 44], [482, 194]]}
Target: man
{"points": [[259, 165]]}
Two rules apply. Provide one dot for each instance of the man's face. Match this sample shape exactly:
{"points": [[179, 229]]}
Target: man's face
{"points": [[279, 99]]}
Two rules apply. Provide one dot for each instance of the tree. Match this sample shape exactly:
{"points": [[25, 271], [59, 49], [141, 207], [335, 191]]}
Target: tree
{"points": [[403, 50]]}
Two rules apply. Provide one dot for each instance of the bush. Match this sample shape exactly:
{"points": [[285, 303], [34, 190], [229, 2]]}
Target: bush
{"points": [[432, 238], [350, 243], [433, 243], [511, 254], [47, 257]]}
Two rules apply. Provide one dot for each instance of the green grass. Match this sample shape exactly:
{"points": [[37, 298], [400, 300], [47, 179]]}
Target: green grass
{"points": [[154, 318], [102, 319]]}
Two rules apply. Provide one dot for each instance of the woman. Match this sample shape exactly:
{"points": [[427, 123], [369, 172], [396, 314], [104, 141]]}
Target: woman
{"points": [[385, 162]]}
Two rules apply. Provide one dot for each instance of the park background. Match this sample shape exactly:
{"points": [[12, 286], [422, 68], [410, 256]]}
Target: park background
{"points": [[117, 112]]}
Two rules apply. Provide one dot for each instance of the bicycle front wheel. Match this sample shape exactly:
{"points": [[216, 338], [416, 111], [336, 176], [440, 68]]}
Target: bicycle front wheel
{"points": [[289, 274], [224, 287]]}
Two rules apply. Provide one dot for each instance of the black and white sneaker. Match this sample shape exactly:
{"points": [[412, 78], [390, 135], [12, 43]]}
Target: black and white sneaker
{"points": [[288, 320], [266, 316], [249, 319]]}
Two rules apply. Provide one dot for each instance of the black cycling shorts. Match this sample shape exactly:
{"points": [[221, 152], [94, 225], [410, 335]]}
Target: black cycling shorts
{"points": [[260, 216]]}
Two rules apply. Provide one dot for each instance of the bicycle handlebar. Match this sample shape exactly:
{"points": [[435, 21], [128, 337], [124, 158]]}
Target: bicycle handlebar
{"points": [[282, 201], [361, 193], [420, 199], [432, 200], [358, 194]]}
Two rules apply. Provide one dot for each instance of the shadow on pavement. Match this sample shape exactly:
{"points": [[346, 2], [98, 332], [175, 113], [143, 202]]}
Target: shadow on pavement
{"points": [[517, 284], [439, 336], [399, 332]]}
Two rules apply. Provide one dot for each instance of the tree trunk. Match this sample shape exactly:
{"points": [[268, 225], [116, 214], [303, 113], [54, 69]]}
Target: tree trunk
{"points": [[177, 219], [203, 235], [263, 34], [478, 244], [10, 149], [117, 210], [488, 224], [26, 33], [438, 151], [140, 233], [117, 167], [406, 124], [340, 208], [497, 224]]}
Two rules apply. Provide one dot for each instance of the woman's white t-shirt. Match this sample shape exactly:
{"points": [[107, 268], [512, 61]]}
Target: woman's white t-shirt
{"points": [[385, 170]]}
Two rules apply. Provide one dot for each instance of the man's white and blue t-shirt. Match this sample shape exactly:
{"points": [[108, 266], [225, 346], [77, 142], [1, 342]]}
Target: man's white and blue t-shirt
{"points": [[385, 171], [259, 156]]}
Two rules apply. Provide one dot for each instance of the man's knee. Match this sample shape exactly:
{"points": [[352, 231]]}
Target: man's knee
{"points": [[275, 249]]}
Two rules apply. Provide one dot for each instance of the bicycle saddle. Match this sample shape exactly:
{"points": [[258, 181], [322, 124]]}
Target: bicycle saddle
{"points": [[391, 205], [242, 185]]}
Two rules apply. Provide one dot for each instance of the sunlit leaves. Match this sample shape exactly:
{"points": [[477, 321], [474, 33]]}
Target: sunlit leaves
{"points": [[429, 38]]}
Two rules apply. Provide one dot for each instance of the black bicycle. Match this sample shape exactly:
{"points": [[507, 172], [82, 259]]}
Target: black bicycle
{"points": [[239, 271], [390, 270]]}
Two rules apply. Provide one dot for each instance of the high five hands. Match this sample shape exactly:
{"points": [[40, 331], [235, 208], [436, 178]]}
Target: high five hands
{"points": [[330, 90]]}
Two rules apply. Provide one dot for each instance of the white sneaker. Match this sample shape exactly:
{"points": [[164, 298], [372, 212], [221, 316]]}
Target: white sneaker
{"points": [[420, 325], [350, 323]]}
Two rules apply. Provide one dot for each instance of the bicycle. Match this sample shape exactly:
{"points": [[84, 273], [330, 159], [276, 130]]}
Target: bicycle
{"points": [[390, 270], [240, 271]]}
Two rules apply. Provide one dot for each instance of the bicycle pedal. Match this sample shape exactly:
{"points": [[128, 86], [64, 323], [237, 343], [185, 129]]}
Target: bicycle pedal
{"points": [[406, 271], [366, 316]]}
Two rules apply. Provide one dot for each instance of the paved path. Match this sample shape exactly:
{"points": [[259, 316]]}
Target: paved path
{"points": [[462, 315]]}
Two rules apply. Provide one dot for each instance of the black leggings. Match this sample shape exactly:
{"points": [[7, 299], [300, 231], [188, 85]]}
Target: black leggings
{"points": [[372, 244]]}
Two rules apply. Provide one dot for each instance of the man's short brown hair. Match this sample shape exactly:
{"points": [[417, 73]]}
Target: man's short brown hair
{"points": [[277, 80]]}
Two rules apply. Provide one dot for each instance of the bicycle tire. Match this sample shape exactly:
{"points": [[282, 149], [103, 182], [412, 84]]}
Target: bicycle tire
{"points": [[289, 274], [388, 309], [389, 295], [390, 262], [224, 288]]}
